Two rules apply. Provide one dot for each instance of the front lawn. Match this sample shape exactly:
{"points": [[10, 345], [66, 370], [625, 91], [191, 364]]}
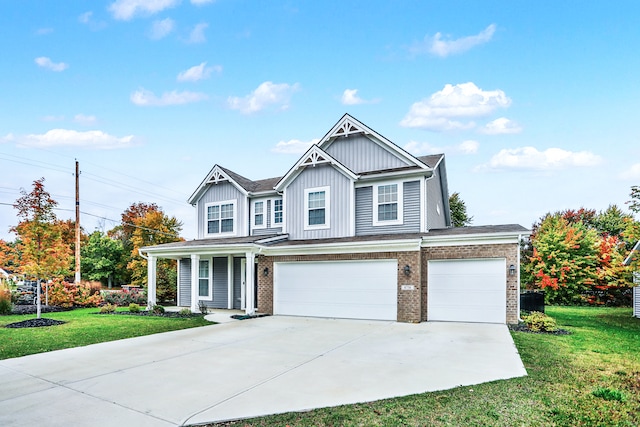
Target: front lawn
{"points": [[601, 356], [83, 327]]}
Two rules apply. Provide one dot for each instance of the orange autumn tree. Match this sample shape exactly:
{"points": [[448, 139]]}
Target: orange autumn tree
{"points": [[44, 254]]}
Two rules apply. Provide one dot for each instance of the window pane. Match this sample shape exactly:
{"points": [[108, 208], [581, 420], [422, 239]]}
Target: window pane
{"points": [[388, 193], [226, 211], [277, 218], [259, 219], [316, 216], [277, 211], [203, 271], [203, 287], [213, 212], [388, 212], [259, 206], [316, 200], [227, 226], [213, 227]]}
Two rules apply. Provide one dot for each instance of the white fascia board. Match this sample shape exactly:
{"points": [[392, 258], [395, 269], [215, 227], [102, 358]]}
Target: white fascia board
{"points": [[364, 181], [345, 248], [214, 250], [471, 239], [268, 193], [193, 199]]}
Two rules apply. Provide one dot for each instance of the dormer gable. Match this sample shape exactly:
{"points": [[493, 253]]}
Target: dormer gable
{"points": [[313, 157], [218, 175], [363, 150]]}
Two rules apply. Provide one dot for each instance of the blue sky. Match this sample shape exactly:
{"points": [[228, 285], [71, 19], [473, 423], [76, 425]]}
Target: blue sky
{"points": [[535, 104]]}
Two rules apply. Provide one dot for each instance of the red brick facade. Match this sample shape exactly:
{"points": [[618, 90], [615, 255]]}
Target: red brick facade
{"points": [[412, 286]]}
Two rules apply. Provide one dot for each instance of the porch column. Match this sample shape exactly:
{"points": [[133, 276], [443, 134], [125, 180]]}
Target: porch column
{"points": [[250, 268], [195, 266], [151, 280]]}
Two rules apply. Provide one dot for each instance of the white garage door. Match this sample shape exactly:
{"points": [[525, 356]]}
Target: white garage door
{"points": [[343, 289], [471, 290]]}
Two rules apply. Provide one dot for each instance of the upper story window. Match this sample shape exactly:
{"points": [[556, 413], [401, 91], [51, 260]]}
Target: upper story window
{"points": [[259, 214], [221, 217], [316, 202], [277, 210], [387, 204]]}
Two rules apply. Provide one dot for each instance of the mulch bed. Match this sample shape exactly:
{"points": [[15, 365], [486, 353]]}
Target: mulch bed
{"points": [[35, 323], [32, 309], [247, 316], [150, 313], [521, 327]]}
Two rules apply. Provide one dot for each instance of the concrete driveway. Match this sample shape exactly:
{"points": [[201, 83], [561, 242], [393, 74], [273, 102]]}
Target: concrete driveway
{"points": [[249, 368]]}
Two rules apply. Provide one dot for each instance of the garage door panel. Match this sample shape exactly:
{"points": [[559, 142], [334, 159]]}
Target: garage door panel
{"points": [[346, 289], [467, 290]]}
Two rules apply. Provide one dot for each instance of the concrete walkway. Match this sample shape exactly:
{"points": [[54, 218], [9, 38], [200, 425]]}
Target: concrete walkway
{"points": [[249, 368]]}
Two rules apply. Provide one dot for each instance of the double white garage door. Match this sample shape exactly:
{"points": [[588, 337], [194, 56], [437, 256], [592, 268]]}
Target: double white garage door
{"points": [[458, 290]]}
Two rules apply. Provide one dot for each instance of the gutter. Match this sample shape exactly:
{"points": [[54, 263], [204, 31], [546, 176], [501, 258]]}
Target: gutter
{"points": [[140, 253]]}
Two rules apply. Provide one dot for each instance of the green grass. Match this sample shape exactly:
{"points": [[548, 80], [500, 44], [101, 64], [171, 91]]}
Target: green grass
{"points": [[84, 327], [588, 378]]}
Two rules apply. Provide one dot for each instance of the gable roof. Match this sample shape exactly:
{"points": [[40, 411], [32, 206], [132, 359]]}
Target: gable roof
{"points": [[431, 160], [348, 125], [632, 256], [313, 157], [246, 186]]}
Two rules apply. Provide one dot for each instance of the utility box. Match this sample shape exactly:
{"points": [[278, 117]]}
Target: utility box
{"points": [[532, 301]]}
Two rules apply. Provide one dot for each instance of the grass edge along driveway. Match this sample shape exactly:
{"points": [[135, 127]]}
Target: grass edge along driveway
{"points": [[603, 352], [84, 326]]}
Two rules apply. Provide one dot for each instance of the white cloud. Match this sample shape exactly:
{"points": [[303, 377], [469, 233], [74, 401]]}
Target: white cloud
{"points": [[198, 72], [45, 62], [95, 139], [501, 126], [7, 138], [423, 148], [127, 9], [293, 146], [530, 158], [265, 95], [162, 28], [85, 18], [197, 34], [632, 173], [463, 100], [85, 120], [201, 2], [439, 47], [350, 97], [146, 98]]}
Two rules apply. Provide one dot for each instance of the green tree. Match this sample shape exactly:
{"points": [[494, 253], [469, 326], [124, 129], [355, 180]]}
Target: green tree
{"points": [[634, 203], [612, 221], [43, 252], [152, 229], [101, 258], [459, 216]]}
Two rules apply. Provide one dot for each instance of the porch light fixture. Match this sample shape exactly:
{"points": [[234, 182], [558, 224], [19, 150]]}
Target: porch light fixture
{"points": [[512, 270], [407, 270], [265, 272]]}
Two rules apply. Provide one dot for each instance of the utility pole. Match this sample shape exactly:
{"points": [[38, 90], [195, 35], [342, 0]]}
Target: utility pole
{"points": [[77, 277]]}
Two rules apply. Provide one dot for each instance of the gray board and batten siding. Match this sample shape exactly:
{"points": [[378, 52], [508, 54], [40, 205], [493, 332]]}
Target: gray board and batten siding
{"points": [[435, 201], [340, 189], [360, 154], [221, 192], [411, 211]]}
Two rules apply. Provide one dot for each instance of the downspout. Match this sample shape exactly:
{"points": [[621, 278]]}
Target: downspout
{"points": [[140, 253]]}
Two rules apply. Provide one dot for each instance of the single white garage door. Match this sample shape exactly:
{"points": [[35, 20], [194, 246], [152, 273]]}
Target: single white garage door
{"points": [[342, 289], [470, 290]]}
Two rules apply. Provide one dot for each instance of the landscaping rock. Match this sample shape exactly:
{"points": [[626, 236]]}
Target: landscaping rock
{"points": [[32, 309]]}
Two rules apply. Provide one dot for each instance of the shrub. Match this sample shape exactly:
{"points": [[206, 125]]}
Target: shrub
{"points": [[5, 299], [157, 309], [540, 322], [203, 307], [109, 308], [184, 312], [608, 394], [134, 308], [65, 294], [125, 297]]}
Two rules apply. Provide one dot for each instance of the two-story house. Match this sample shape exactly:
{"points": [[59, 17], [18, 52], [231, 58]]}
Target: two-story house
{"points": [[357, 228]]}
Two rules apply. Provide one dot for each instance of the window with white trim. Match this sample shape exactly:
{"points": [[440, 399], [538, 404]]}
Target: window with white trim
{"points": [[277, 210], [387, 204], [221, 218], [316, 202], [204, 280], [259, 214]]}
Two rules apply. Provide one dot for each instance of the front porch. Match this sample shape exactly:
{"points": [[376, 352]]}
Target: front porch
{"points": [[219, 281]]}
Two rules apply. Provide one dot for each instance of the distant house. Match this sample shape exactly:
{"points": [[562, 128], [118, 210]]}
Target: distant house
{"points": [[633, 257], [356, 228], [4, 275]]}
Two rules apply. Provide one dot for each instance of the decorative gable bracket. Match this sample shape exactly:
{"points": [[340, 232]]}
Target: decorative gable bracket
{"points": [[346, 128], [217, 176], [314, 158]]}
